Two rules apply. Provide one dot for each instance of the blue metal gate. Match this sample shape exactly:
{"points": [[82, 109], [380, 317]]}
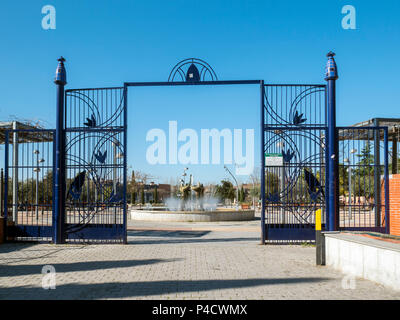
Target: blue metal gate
{"points": [[294, 147], [69, 184], [29, 184], [95, 130], [95, 173], [309, 165]]}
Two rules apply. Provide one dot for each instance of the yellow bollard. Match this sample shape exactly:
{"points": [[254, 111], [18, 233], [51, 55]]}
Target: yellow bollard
{"points": [[319, 239], [318, 220]]}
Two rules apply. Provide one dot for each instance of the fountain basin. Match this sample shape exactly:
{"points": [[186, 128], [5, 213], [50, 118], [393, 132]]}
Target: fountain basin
{"points": [[192, 216]]}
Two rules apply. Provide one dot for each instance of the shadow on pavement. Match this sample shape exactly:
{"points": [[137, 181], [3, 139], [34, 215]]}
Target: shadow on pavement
{"points": [[167, 233], [176, 237], [20, 270], [149, 288], [177, 241], [15, 246]]}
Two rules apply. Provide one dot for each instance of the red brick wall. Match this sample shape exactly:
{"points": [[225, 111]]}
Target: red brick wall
{"points": [[394, 203]]}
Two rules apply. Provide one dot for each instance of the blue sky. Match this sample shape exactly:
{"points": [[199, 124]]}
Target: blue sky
{"points": [[109, 42]]}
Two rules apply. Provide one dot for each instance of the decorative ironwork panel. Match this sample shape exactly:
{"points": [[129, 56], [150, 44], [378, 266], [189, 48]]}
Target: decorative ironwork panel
{"points": [[362, 178], [29, 163], [295, 157], [95, 164], [192, 70]]}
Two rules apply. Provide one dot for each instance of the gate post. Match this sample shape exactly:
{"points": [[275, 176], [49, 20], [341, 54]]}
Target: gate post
{"points": [[377, 174], [59, 184], [262, 186], [386, 181], [331, 76]]}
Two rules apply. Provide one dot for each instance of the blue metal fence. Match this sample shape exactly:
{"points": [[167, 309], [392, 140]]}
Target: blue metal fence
{"points": [[29, 184], [363, 178]]}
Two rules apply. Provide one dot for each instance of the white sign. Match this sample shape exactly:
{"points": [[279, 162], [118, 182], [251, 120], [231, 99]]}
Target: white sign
{"points": [[273, 160]]}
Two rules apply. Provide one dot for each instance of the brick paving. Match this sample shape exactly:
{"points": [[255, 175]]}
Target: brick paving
{"points": [[178, 261]]}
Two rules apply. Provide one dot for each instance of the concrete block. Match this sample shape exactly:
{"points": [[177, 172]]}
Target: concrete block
{"points": [[371, 259]]}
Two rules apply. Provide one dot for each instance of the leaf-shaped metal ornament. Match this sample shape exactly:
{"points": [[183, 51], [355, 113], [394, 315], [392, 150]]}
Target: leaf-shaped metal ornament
{"points": [[75, 189], [273, 197], [101, 157], [298, 118], [314, 187], [287, 155], [192, 74], [90, 122], [114, 198]]}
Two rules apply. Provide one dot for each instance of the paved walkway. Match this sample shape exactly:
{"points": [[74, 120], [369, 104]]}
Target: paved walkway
{"points": [[178, 261]]}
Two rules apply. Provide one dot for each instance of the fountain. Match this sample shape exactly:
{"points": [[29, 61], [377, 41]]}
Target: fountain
{"points": [[191, 205]]}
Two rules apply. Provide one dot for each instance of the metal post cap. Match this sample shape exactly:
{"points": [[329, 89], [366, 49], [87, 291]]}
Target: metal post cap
{"points": [[331, 72], [61, 74]]}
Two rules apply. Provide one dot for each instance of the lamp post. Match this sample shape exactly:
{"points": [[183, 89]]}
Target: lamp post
{"points": [[237, 185], [254, 190], [347, 160], [184, 174], [37, 170], [281, 145], [117, 155], [115, 144]]}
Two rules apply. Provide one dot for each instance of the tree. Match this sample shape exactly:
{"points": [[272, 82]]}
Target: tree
{"points": [[133, 197], [271, 183], [255, 192], [155, 195], [363, 174], [242, 195], [142, 200], [225, 190], [343, 179], [135, 184]]}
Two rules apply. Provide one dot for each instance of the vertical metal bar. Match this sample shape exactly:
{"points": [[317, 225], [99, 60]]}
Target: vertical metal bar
{"points": [[386, 177], [15, 173], [59, 216], [53, 202], [350, 195], [394, 155], [326, 168], [377, 174], [1, 191], [262, 120], [125, 162], [333, 160], [6, 185]]}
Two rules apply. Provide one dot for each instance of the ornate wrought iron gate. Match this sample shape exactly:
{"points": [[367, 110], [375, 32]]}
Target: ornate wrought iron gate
{"points": [[296, 158], [302, 158], [294, 149], [95, 129]]}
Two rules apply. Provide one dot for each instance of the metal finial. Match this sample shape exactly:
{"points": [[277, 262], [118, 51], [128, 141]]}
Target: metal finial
{"points": [[331, 72], [61, 74]]}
